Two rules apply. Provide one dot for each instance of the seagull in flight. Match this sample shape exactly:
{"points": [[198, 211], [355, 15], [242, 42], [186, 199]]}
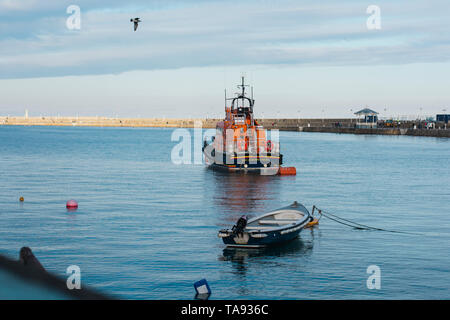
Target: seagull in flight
{"points": [[136, 22]]}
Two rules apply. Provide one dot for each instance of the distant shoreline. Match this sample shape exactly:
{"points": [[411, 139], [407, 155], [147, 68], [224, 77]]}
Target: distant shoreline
{"points": [[104, 122], [282, 124], [301, 125]]}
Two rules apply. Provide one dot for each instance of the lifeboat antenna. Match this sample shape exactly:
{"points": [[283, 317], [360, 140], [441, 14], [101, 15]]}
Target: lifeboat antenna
{"points": [[253, 101], [243, 85]]}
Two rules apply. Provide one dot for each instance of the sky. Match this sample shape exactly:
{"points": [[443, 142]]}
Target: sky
{"points": [[304, 58]]}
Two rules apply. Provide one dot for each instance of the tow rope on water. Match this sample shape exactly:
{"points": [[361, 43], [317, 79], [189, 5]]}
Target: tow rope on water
{"points": [[353, 224]]}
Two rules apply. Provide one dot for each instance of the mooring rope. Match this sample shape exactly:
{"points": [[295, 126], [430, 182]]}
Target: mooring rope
{"points": [[356, 225]]}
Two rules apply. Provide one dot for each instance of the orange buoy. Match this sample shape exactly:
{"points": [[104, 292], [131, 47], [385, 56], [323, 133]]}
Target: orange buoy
{"points": [[21, 199], [289, 171], [312, 223]]}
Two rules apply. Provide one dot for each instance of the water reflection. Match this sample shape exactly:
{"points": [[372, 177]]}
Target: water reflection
{"points": [[234, 195], [244, 258], [202, 296], [242, 193]]}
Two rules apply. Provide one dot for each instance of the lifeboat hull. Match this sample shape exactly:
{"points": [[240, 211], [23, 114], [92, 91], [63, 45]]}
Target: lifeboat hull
{"points": [[266, 165], [270, 171]]}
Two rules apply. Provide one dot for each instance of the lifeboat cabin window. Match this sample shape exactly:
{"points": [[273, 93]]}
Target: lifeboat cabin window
{"points": [[239, 120]]}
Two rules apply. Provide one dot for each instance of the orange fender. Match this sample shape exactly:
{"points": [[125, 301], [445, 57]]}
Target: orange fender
{"points": [[289, 171], [312, 223]]}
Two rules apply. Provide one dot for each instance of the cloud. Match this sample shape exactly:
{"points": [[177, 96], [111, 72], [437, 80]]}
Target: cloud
{"points": [[34, 41], [14, 5]]}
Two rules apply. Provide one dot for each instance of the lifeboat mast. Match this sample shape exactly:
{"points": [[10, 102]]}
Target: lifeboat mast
{"points": [[235, 110]]}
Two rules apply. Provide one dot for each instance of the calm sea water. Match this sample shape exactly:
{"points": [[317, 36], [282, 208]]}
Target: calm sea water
{"points": [[147, 228]]}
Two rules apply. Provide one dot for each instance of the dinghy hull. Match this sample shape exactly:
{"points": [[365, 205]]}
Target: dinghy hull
{"points": [[272, 228], [271, 238]]}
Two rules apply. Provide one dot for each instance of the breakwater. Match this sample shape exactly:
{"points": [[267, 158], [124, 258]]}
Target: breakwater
{"points": [[281, 124], [303, 125], [106, 122], [440, 133]]}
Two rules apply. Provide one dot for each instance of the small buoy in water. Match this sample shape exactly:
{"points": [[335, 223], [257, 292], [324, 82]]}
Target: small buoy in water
{"points": [[21, 199], [288, 171], [71, 204], [203, 290]]}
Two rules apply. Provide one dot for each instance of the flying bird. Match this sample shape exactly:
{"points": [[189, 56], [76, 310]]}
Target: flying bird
{"points": [[136, 22]]}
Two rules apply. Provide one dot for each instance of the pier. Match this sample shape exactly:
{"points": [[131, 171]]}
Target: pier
{"points": [[343, 125]]}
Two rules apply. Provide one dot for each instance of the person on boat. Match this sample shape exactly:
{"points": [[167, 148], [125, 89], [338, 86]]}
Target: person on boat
{"points": [[238, 229]]}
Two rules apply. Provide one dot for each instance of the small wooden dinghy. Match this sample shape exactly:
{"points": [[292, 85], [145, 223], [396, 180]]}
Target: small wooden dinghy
{"points": [[278, 226]]}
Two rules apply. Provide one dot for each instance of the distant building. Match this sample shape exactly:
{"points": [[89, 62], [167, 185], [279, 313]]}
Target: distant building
{"points": [[443, 118], [367, 118]]}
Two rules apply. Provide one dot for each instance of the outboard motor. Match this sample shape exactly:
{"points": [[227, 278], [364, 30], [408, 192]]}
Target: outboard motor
{"points": [[240, 225]]}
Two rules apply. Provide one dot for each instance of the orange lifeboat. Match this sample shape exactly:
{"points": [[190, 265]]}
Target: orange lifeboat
{"points": [[241, 143]]}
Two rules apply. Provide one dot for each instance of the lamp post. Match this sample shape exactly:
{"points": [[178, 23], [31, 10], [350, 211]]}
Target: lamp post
{"points": [[445, 125]]}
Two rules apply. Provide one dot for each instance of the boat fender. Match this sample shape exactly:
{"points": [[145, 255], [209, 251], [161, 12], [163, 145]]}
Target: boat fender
{"points": [[312, 223], [223, 234], [288, 171], [258, 235]]}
